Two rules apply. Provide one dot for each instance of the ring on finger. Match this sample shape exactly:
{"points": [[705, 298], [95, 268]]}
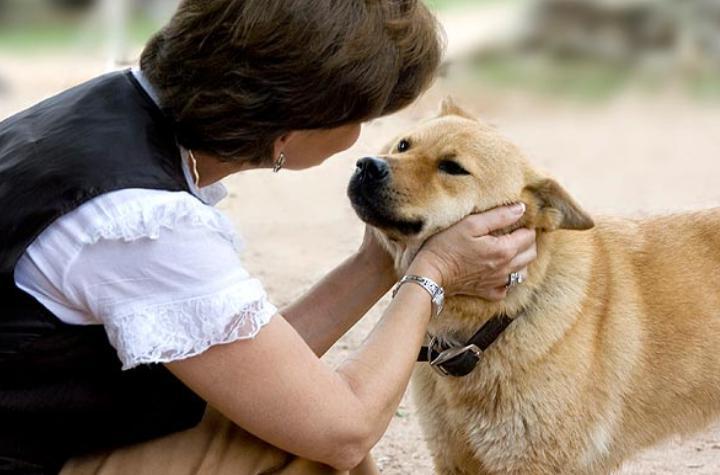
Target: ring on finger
{"points": [[514, 279]]}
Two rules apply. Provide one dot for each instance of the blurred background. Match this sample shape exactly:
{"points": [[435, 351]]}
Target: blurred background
{"points": [[618, 99], [590, 49]]}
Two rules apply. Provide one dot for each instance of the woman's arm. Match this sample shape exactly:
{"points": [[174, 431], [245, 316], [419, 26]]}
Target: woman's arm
{"points": [[338, 301], [275, 386]]}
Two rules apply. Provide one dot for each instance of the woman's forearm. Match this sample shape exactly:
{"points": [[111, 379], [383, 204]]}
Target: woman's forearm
{"points": [[276, 388], [380, 370], [339, 300]]}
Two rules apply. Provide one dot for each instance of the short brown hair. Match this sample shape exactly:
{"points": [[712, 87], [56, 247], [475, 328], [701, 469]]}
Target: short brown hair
{"points": [[235, 75]]}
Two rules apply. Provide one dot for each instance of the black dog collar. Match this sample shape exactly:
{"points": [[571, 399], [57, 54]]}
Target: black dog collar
{"points": [[461, 360]]}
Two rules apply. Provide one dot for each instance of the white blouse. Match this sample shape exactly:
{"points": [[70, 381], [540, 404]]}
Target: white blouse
{"points": [[159, 269]]}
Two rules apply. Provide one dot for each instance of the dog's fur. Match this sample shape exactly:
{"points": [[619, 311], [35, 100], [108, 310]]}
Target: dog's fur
{"points": [[616, 339]]}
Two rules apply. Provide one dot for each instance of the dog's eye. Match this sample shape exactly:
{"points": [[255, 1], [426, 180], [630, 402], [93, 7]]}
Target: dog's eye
{"points": [[403, 146], [452, 168]]}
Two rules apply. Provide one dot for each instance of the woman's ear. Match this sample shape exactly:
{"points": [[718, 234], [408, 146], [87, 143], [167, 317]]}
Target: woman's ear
{"points": [[550, 207], [281, 142]]}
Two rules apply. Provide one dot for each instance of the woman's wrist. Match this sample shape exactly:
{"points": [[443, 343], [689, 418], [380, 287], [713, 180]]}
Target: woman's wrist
{"points": [[423, 267]]}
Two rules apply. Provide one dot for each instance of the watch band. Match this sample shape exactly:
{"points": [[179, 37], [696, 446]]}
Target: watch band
{"points": [[437, 294]]}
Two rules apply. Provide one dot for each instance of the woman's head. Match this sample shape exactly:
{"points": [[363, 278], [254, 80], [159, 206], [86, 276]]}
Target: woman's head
{"points": [[236, 75]]}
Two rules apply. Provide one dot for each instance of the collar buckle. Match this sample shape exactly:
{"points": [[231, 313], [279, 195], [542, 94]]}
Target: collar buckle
{"points": [[450, 354], [461, 360]]}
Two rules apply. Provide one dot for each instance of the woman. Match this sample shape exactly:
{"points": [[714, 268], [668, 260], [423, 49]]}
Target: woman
{"points": [[128, 307]]}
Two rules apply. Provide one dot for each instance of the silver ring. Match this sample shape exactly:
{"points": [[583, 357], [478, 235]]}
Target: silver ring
{"points": [[514, 279]]}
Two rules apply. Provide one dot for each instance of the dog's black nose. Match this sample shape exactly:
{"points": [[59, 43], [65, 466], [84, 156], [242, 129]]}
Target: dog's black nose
{"points": [[372, 168]]}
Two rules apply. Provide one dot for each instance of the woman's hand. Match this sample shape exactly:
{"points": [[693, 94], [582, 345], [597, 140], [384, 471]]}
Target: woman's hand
{"points": [[467, 260], [373, 252], [337, 302]]}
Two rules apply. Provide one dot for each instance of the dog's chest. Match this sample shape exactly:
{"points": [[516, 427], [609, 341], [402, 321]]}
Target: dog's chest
{"points": [[498, 417], [484, 417]]}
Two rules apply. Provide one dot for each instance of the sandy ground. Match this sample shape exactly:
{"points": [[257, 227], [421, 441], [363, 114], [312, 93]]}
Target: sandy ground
{"points": [[632, 156]]}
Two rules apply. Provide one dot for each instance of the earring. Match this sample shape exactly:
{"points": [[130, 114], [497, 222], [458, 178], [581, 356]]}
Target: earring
{"points": [[196, 175], [279, 163]]}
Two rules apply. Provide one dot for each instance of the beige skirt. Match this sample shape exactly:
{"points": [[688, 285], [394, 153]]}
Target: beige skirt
{"points": [[215, 447]]}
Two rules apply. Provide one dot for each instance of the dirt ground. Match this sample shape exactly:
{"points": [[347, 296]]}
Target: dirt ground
{"points": [[632, 156]]}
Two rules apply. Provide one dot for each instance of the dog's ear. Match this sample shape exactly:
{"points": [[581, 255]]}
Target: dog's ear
{"points": [[450, 107], [550, 207]]}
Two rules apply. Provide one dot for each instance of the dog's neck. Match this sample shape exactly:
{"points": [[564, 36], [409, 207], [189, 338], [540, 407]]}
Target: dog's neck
{"points": [[555, 281], [463, 315], [402, 253]]}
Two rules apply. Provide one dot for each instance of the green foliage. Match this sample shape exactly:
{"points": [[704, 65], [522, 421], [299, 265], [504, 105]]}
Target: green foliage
{"points": [[48, 37], [585, 80], [446, 4], [572, 78], [36, 38], [705, 85]]}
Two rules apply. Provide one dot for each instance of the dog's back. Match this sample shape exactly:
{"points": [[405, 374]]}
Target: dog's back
{"points": [[663, 286]]}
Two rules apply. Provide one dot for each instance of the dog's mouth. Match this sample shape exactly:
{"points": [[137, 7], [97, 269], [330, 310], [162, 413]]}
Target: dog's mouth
{"points": [[372, 206]]}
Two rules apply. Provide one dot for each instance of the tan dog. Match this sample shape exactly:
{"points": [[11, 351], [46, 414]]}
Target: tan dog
{"points": [[615, 342]]}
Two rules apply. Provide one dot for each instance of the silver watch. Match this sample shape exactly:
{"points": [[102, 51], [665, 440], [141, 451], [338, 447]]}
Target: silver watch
{"points": [[437, 294]]}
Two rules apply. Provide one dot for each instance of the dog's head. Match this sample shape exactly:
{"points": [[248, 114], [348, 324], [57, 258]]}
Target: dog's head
{"points": [[447, 168]]}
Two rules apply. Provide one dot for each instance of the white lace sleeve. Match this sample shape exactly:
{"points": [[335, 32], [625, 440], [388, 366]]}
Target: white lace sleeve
{"points": [[160, 272], [180, 329]]}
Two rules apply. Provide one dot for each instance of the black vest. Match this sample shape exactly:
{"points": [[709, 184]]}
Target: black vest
{"points": [[62, 392]]}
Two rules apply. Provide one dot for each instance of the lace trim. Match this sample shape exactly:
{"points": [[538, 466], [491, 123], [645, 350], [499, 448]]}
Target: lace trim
{"points": [[136, 220], [179, 330]]}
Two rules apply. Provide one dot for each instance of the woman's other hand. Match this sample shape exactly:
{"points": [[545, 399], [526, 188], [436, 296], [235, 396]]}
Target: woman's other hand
{"points": [[373, 252], [468, 260]]}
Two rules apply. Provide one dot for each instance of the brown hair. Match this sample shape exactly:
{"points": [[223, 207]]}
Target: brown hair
{"points": [[235, 75]]}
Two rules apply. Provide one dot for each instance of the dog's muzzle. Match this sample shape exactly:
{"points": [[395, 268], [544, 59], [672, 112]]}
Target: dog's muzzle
{"points": [[372, 197], [371, 170]]}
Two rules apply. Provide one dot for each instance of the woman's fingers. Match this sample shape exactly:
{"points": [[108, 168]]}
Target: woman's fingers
{"points": [[522, 260], [499, 218], [501, 290], [471, 262], [516, 242], [496, 294], [513, 251], [517, 251], [502, 279]]}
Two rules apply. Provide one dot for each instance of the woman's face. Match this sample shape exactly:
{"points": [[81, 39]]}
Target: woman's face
{"points": [[308, 148]]}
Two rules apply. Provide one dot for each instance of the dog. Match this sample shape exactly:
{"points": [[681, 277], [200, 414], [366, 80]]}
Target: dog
{"points": [[612, 342]]}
